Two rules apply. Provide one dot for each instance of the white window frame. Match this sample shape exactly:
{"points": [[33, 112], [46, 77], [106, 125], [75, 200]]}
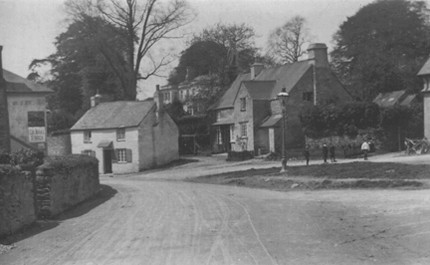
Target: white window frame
{"points": [[243, 104], [244, 129], [87, 136], [122, 155]]}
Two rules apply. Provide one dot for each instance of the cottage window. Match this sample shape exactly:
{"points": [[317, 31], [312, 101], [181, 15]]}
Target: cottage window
{"points": [[243, 104], [123, 156], [243, 129], [308, 96], [219, 135], [232, 133], [87, 136], [89, 153], [120, 134]]}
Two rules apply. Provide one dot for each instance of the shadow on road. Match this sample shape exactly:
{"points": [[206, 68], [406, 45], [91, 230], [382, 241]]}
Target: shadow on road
{"points": [[106, 192]]}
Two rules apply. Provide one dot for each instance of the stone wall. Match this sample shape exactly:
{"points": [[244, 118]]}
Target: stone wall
{"points": [[4, 113], [59, 144], [64, 182], [17, 207]]}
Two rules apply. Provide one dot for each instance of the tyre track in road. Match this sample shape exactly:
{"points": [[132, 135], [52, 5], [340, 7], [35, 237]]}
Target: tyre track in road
{"points": [[169, 222]]}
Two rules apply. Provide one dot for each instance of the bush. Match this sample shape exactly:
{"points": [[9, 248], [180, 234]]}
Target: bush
{"points": [[69, 161], [25, 158], [239, 156], [346, 119]]}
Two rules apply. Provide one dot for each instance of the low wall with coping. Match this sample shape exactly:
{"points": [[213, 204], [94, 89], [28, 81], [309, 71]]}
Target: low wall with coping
{"points": [[63, 182], [17, 208]]}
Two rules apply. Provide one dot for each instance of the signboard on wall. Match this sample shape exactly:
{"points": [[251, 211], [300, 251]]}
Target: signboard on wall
{"points": [[36, 127], [36, 134]]}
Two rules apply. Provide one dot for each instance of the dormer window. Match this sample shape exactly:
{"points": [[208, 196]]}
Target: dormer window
{"points": [[87, 136], [120, 134]]}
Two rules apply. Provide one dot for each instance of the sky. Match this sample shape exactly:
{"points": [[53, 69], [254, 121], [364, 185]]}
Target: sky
{"points": [[28, 27]]}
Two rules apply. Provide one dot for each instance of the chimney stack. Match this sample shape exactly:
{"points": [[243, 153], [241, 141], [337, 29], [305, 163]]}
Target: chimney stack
{"points": [[317, 52], [158, 99], [96, 99], [256, 69], [4, 113]]}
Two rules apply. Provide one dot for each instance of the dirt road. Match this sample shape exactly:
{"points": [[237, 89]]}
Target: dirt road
{"points": [[140, 220]]}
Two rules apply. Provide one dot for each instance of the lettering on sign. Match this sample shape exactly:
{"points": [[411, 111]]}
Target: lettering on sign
{"points": [[36, 134]]}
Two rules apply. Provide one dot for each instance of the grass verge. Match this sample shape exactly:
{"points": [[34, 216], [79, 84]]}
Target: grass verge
{"points": [[360, 175]]}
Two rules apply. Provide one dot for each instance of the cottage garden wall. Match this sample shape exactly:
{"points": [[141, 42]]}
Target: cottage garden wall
{"points": [[57, 185]]}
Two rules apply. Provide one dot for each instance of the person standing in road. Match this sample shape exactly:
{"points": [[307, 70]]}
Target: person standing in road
{"points": [[306, 154], [332, 153], [365, 149], [325, 152]]}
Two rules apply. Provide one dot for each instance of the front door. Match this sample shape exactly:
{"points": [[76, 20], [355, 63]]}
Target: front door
{"points": [[225, 136], [107, 161]]}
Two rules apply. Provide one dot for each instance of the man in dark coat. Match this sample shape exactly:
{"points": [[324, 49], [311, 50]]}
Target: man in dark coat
{"points": [[325, 152]]}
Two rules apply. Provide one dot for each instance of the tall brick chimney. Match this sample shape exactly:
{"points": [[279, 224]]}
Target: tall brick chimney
{"points": [[4, 114], [256, 69], [317, 52], [158, 99]]}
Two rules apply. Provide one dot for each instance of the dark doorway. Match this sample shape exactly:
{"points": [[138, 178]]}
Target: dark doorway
{"points": [[107, 161]]}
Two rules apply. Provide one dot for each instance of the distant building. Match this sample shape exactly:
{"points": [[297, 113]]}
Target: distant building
{"points": [[126, 136], [4, 114], [184, 92], [248, 115], [424, 73], [26, 107], [389, 99]]}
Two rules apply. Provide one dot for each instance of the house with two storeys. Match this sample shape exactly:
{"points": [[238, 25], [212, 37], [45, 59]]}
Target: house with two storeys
{"points": [[126, 136], [23, 112], [248, 115], [424, 73]]}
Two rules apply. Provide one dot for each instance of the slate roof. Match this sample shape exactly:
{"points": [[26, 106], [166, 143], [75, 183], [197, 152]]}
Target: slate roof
{"points": [[18, 84], [227, 100], [425, 70], [118, 114], [271, 121], [389, 99], [408, 100], [260, 90], [284, 76]]}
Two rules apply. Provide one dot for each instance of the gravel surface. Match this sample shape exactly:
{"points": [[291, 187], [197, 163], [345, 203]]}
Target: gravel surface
{"points": [[138, 219]]}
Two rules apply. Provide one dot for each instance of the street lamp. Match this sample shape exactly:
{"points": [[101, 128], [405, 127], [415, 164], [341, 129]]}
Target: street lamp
{"points": [[283, 96]]}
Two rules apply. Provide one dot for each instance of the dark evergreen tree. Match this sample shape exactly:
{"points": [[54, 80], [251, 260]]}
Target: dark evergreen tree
{"points": [[382, 47]]}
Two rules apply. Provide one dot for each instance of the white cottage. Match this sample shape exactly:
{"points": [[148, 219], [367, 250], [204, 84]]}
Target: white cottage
{"points": [[126, 136]]}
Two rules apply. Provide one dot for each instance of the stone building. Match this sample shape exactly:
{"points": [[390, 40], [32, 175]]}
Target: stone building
{"points": [[126, 136], [26, 112], [248, 115], [424, 73], [4, 114]]}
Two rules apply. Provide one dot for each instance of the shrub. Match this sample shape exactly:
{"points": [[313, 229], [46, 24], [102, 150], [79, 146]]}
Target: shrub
{"points": [[69, 161]]}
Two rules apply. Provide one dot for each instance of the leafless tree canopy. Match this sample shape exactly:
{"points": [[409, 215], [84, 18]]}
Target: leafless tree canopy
{"points": [[146, 23], [286, 43], [235, 37]]}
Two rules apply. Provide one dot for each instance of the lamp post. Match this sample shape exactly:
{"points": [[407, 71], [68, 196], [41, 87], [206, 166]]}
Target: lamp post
{"points": [[283, 96]]}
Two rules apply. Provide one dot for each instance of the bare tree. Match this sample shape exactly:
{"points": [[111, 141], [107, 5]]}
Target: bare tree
{"points": [[146, 24], [235, 38], [286, 42]]}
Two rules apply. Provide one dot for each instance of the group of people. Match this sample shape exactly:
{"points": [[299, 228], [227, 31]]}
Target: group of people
{"points": [[365, 148]]}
